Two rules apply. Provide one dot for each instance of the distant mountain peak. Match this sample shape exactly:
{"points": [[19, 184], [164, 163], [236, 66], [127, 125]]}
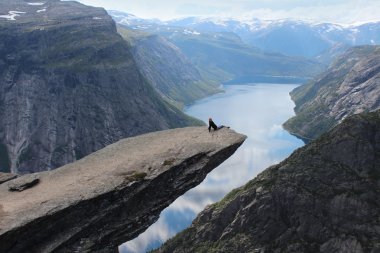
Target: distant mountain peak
{"points": [[300, 38]]}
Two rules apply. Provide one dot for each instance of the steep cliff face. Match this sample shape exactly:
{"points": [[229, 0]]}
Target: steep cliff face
{"points": [[351, 85], [167, 68], [323, 198], [69, 86], [110, 196]]}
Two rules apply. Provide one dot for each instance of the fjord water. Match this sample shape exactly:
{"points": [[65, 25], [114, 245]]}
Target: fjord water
{"points": [[256, 110]]}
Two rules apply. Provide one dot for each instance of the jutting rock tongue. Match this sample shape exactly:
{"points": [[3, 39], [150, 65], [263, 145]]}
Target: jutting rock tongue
{"points": [[110, 196]]}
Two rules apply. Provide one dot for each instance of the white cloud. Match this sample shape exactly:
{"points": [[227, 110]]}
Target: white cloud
{"points": [[159, 231], [336, 11], [348, 13]]}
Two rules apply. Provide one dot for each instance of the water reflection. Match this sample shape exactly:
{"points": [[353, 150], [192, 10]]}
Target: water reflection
{"points": [[255, 110]]}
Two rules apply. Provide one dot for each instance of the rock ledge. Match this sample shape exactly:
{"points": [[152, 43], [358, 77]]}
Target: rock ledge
{"points": [[112, 195]]}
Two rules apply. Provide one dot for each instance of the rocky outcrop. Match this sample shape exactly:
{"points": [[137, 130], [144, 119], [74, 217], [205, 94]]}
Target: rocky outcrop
{"points": [[167, 68], [351, 85], [69, 86], [23, 183], [323, 198], [112, 195]]}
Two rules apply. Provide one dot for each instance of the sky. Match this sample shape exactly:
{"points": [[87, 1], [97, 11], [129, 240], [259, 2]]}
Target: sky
{"points": [[334, 11]]}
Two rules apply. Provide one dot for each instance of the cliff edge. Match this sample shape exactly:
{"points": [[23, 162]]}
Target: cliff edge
{"points": [[110, 196]]}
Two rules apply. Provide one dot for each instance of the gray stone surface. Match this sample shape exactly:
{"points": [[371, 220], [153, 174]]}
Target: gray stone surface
{"points": [[22, 183], [323, 198], [4, 177], [112, 195]]}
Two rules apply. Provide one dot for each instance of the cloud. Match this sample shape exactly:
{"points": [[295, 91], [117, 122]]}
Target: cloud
{"points": [[336, 11], [344, 13], [159, 231]]}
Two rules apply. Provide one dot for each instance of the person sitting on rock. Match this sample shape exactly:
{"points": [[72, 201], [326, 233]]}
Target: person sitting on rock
{"points": [[212, 125]]}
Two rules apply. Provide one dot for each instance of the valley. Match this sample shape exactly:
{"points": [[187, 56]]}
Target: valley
{"points": [[104, 145], [258, 110], [223, 55]]}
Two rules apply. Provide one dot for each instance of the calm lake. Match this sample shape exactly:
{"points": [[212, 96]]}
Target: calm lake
{"points": [[256, 110]]}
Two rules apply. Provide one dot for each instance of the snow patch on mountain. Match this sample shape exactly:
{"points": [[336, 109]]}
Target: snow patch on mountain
{"points": [[191, 32], [36, 4], [333, 28], [12, 15]]}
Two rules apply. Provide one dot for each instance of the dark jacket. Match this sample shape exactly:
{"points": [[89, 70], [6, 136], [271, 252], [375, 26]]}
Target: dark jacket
{"points": [[211, 124]]}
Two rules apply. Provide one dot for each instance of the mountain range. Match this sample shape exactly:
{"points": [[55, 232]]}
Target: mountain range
{"points": [[289, 37], [223, 55]]}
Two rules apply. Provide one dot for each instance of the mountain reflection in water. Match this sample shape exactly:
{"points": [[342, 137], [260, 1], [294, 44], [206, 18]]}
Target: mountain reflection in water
{"points": [[257, 110]]}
